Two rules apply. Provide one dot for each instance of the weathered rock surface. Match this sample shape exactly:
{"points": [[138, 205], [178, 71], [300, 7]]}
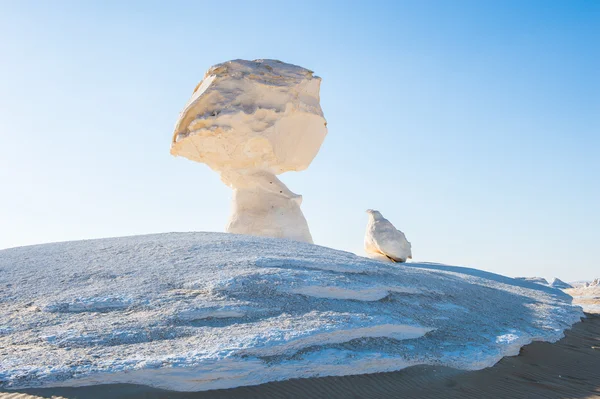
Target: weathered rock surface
{"points": [[250, 121], [558, 283], [536, 280], [197, 311], [383, 241]]}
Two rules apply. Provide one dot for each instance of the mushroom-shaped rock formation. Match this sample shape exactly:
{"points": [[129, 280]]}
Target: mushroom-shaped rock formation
{"points": [[250, 121]]}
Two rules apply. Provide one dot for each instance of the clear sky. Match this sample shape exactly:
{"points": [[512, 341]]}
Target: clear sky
{"points": [[474, 126]]}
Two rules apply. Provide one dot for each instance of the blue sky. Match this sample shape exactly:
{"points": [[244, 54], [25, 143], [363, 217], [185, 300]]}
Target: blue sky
{"points": [[474, 126]]}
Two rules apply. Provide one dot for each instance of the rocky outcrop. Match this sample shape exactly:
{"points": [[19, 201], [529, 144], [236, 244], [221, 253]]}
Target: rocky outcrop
{"points": [[250, 121]]}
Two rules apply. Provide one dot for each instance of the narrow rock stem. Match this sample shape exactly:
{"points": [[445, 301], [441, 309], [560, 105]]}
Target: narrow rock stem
{"points": [[263, 206]]}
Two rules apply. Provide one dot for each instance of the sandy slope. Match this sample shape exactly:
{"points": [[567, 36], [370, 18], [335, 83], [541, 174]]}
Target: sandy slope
{"points": [[569, 368], [586, 297]]}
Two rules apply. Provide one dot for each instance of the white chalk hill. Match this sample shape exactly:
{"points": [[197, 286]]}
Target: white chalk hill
{"points": [[383, 241], [198, 311]]}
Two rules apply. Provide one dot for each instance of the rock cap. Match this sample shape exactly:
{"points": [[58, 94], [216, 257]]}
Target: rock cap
{"points": [[248, 115]]}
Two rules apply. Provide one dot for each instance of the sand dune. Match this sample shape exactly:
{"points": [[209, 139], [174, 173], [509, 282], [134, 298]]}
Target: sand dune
{"points": [[569, 368]]}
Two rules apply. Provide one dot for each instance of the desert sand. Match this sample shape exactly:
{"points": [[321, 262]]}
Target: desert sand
{"points": [[569, 368], [586, 296]]}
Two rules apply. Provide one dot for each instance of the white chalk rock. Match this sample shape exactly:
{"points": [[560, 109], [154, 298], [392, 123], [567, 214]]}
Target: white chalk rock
{"points": [[383, 241], [250, 121], [535, 280], [162, 310], [558, 283]]}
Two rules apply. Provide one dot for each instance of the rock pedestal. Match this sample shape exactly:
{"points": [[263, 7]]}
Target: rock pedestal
{"points": [[250, 121]]}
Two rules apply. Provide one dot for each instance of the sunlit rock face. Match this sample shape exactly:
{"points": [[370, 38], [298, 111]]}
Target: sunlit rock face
{"points": [[250, 121], [383, 241]]}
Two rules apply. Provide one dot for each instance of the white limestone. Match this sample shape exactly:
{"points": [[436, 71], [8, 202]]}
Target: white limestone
{"points": [[536, 280], [197, 311], [356, 293], [250, 121], [383, 241], [558, 283]]}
